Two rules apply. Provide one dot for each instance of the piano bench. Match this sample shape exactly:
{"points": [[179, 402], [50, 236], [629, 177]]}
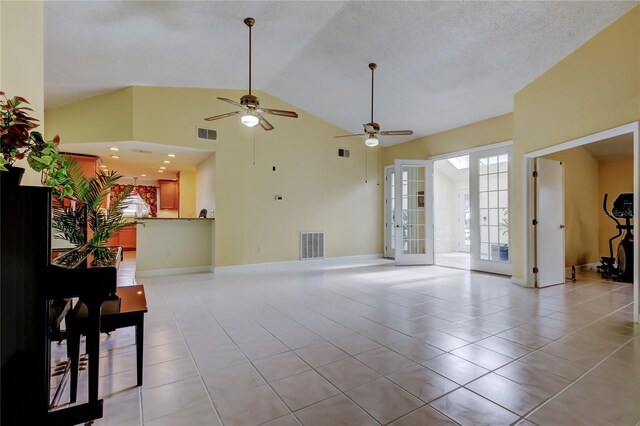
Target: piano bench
{"points": [[125, 310]]}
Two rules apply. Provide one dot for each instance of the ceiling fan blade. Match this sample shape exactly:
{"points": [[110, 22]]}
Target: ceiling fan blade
{"points": [[397, 133], [217, 117], [348, 136], [238, 104], [264, 123], [280, 112]]}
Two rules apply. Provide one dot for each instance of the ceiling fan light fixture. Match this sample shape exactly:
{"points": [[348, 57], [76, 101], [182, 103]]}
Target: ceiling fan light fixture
{"points": [[249, 120], [371, 141]]}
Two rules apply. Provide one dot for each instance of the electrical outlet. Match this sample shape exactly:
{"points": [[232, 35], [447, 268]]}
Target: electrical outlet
{"points": [[260, 250]]}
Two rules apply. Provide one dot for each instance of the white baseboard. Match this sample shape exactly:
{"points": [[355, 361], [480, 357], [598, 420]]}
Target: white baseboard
{"points": [[585, 267], [174, 271], [519, 281], [328, 260]]}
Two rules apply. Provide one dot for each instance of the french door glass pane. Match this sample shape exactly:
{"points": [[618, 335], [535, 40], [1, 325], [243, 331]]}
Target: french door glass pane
{"points": [[493, 197], [413, 213], [393, 211]]}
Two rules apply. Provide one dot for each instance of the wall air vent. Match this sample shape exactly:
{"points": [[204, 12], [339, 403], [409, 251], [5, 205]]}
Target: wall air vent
{"points": [[311, 245], [205, 134], [343, 153]]}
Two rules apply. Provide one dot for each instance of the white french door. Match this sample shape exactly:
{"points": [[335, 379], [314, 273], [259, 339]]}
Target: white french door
{"points": [[413, 212], [389, 212], [489, 191]]}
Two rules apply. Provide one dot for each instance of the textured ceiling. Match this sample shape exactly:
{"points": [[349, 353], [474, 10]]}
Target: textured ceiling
{"points": [[440, 64]]}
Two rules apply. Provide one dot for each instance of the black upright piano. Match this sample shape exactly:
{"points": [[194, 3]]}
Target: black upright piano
{"points": [[30, 286]]}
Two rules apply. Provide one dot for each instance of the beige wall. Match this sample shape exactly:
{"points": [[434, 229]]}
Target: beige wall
{"points": [[205, 185], [485, 132], [615, 177], [22, 61], [322, 192], [187, 190], [581, 206], [597, 87]]}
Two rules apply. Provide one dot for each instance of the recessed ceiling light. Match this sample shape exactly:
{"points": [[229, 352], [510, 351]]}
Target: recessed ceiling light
{"points": [[160, 171], [115, 156], [171, 155], [166, 162], [113, 148], [143, 175], [162, 167]]}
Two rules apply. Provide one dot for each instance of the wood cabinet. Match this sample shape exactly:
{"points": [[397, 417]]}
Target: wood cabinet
{"points": [[169, 195], [88, 163], [126, 238]]}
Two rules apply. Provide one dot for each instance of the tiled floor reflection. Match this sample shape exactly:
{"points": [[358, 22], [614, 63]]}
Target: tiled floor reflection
{"points": [[362, 342]]}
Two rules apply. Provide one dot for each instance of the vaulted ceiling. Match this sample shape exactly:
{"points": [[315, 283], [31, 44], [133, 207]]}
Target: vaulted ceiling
{"points": [[440, 64]]}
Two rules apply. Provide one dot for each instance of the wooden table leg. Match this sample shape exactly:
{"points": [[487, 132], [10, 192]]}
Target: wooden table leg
{"points": [[93, 346]]}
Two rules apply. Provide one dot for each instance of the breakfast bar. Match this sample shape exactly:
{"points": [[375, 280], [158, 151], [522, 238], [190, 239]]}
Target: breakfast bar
{"points": [[169, 246]]}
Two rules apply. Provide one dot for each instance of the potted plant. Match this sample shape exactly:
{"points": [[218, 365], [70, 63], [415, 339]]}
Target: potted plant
{"points": [[18, 141], [71, 219]]}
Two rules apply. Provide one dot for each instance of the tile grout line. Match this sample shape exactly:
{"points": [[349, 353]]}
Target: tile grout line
{"points": [[215, 410]]}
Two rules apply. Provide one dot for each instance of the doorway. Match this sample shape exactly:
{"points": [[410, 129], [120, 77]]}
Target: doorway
{"points": [[605, 162], [452, 212]]}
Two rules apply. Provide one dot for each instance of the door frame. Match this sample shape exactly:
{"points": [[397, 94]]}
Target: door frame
{"points": [[528, 200], [481, 148]]}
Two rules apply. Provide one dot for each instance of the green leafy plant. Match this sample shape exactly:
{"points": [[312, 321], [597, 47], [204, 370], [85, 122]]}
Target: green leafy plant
{"points": [[18, 141], [71, 216]]}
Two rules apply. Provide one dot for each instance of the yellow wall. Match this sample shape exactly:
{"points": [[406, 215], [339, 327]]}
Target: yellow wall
{"points": [[22, 61], [581, 206], [188, 193], [78, 121], [615, 178], [485, 132], [322, 192], [595, 88]]}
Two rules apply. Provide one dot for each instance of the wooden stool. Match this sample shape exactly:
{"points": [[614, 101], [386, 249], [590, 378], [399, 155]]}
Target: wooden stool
{"points": [[125, 310]]}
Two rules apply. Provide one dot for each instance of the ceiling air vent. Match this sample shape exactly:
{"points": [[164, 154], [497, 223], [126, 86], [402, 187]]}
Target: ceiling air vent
{"points": [[207, 134]]}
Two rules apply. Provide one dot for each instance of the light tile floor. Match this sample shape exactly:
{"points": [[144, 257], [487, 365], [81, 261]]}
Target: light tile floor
{"points": [[363, 342]]}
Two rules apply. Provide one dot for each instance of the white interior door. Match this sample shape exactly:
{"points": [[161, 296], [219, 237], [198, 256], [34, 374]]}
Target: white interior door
{"points": [[490, 195], [413, 184], [549, 183], [389, 212]]}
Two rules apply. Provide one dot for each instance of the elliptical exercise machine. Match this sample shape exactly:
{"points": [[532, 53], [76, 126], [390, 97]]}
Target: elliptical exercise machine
{"points": [[620, 268]]}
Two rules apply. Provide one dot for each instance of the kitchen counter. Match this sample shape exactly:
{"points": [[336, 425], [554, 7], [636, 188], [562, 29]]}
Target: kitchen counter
{"points": [[142, 219], [170, 246]]}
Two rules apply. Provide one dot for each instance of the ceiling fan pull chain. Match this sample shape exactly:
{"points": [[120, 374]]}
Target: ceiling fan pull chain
{"points": [[366, 164]]}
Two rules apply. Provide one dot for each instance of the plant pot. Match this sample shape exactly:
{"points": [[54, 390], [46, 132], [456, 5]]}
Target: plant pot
{"points": [[12, 177]]}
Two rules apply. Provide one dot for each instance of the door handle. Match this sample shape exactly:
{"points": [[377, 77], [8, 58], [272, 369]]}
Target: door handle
{"points": [[561, 226], [397, 226]]}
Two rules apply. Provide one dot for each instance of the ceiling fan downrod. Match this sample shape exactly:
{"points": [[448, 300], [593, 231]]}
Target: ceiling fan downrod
{"points": [[249, 23], [372, 67]]}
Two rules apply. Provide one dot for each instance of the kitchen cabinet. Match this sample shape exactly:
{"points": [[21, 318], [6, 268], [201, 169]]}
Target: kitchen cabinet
{"points": [[87, 163], [126, 238], [169, 196]]}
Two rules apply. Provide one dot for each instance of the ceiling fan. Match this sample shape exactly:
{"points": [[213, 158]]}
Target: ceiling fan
{"points": [[372, 129], [249, 104]]}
